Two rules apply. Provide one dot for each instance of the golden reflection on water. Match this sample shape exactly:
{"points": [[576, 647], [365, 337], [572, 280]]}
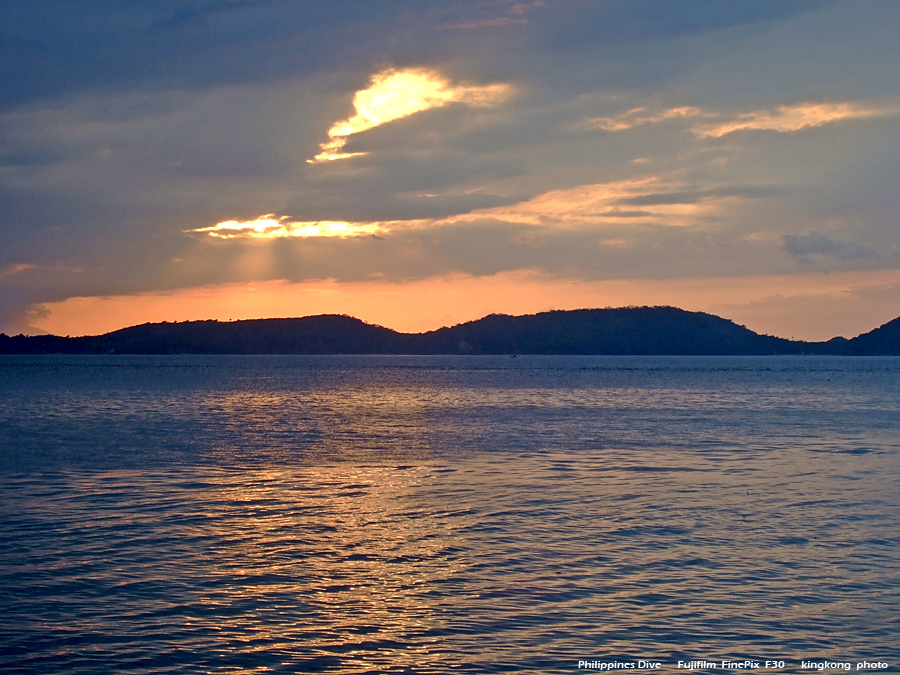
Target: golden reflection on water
{"points": [[416, 520], [516, 559], [347, 543]]}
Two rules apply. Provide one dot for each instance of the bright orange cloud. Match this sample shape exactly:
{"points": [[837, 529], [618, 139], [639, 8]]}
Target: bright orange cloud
{"points": [[271, 227], [395, 94]]}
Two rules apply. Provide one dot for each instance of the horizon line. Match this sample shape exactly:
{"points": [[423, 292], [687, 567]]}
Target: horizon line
{"points": [[349, 316]]}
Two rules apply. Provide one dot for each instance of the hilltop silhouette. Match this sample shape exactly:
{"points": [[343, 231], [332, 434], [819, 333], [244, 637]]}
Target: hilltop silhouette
{"points": [[623, 331]]}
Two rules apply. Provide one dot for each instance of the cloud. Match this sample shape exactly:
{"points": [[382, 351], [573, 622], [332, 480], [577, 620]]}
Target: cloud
{"points": [[271, 226], [515, 16], [664, 201], [801, 247], [131, 44], [661, 201], [150, 120], [394, 94], [19, 268], [495, 22], [704, 195], [15, 269], [788, 118], [639, 116], [54, 49], [783, 119], [588, 24]]}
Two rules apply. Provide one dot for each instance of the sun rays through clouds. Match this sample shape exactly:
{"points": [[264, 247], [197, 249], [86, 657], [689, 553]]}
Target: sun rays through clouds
{"points": [[391, 143], [271, 226]]}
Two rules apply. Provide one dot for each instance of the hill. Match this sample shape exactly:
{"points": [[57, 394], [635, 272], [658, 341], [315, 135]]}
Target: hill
{"points": [[883, 341], [632, 330], [628, 330]]}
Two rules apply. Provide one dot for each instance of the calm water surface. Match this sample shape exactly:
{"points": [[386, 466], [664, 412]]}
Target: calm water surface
{"points": [[446, 514]]}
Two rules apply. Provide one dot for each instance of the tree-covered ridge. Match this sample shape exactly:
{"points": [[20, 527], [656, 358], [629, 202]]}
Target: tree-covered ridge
{"points": [[628, 330]]}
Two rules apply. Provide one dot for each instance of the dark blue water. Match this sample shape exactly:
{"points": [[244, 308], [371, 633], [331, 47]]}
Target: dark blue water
{"points": [[447, 514]]}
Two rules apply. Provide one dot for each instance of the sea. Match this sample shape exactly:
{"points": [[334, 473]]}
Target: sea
{"points": [[449, 514]]}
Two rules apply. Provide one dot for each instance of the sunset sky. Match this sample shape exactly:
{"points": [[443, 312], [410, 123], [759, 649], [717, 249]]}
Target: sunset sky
{"points": [[419, 164]]}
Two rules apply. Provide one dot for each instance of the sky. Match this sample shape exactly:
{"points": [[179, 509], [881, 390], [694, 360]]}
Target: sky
{"points": [[420, 164]]}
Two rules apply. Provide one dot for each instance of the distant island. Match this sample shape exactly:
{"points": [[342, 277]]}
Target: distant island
{"points": [[663, 331]]}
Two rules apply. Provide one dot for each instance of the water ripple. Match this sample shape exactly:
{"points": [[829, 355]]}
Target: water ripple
{"points": [[394, 517]]}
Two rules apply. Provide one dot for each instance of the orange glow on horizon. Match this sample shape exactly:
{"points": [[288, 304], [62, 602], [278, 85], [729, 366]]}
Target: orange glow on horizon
{"points": [[788, 306]]}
